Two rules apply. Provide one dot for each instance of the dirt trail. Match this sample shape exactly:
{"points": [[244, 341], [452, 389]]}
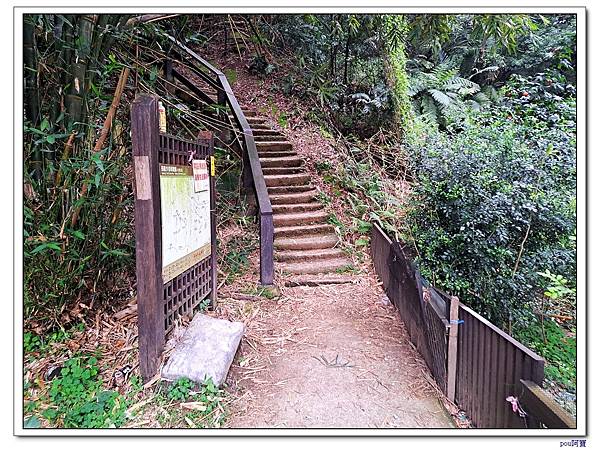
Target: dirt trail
{"points": [[334, 355], [331, 356]]}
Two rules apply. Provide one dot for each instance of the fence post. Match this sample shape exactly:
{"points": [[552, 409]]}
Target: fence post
{"points": [[148, 250], [213, 219], [266, 249], [452, 348]]}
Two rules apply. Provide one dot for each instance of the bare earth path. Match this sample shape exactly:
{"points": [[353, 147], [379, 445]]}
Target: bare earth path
{"points": [[331, 356]]}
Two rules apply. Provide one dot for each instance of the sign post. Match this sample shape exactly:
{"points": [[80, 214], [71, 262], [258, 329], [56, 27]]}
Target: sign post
{"points": [[174, 226]]}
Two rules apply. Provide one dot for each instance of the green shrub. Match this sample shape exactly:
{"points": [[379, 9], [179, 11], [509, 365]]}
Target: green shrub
{"points": [[495, 204], [61, 262]]}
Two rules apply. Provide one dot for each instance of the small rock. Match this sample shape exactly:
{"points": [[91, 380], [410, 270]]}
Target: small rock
{"points": [[385, 300], [206, 350]]}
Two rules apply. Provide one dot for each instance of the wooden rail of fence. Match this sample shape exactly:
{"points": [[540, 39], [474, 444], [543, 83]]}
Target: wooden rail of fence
{"points": [[474, 362]]}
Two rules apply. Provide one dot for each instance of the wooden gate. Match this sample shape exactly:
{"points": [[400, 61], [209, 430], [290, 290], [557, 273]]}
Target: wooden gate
{"points": [[174, 228]]}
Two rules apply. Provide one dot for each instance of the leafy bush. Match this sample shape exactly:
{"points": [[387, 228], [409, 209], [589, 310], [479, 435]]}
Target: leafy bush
{"points": [[439, 93], [60, 260], [495, 204]]}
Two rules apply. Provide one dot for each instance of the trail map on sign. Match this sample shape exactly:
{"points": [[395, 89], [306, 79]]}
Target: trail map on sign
{"points": [[185, 216]]}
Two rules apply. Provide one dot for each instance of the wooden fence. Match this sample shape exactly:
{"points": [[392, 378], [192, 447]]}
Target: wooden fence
{"points": [[475, 363]]}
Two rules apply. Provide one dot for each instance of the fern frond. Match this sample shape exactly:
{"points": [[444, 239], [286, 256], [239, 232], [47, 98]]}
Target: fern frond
{"points": [[440, 97], [429, 108]]}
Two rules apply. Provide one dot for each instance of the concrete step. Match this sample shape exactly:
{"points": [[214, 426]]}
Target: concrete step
{"points": [[308, 242], [289, 189], [281, 170], [295, 179], [270, 138], [286, 198], [299, 218], [260, 126], [320, 266], [249, 112], [296, 207], [256, 120], [276, 154], [302, 230], [319, 280], [267, 132], [281, 162], [309, 255], [274, 146]]}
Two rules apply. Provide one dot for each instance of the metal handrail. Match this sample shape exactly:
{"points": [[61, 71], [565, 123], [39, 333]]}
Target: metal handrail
{"points": [[225, 94]]}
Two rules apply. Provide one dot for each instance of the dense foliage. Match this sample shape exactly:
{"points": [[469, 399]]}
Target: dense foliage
{"points": [[477, 112], [494, 204], [77, 238]]}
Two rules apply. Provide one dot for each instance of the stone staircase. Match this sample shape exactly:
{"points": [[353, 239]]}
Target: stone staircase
{"points": [[305, 243]]}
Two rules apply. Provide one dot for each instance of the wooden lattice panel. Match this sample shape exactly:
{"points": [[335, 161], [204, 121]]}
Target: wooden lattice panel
{"points": [[183, 294]]}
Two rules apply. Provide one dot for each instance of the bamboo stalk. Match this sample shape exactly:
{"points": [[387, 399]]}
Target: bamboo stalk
{"points": [[32, 107], [104, 133], [65, 155]]}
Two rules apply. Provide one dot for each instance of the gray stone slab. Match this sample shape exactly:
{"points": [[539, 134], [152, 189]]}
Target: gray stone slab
{"points": [[206, 350]]}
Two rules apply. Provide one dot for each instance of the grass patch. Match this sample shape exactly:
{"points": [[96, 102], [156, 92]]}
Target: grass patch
{"points": [[186, 404], [34, 343], [269, 292], [348, 269], [231, 75], [78, 398], [558, 349], [235, 260]]}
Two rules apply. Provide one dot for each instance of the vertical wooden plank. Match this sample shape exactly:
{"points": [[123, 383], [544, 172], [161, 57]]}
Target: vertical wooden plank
{"points": [[213, 226], [452, 349], [266, 249], [501, 401], [517, 422], [482, 375], [487, 379], [537, 371], [145, 142], [468, 385], [508, 379], [492, 380], [462, 361], [476, 366], [473, 371]]}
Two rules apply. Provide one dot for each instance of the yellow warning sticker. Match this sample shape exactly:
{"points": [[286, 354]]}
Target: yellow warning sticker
{"points": [[212, 166]]}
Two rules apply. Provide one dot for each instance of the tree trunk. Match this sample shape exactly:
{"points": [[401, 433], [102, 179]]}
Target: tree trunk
{"points": [[333, 50], [346, 57]]}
